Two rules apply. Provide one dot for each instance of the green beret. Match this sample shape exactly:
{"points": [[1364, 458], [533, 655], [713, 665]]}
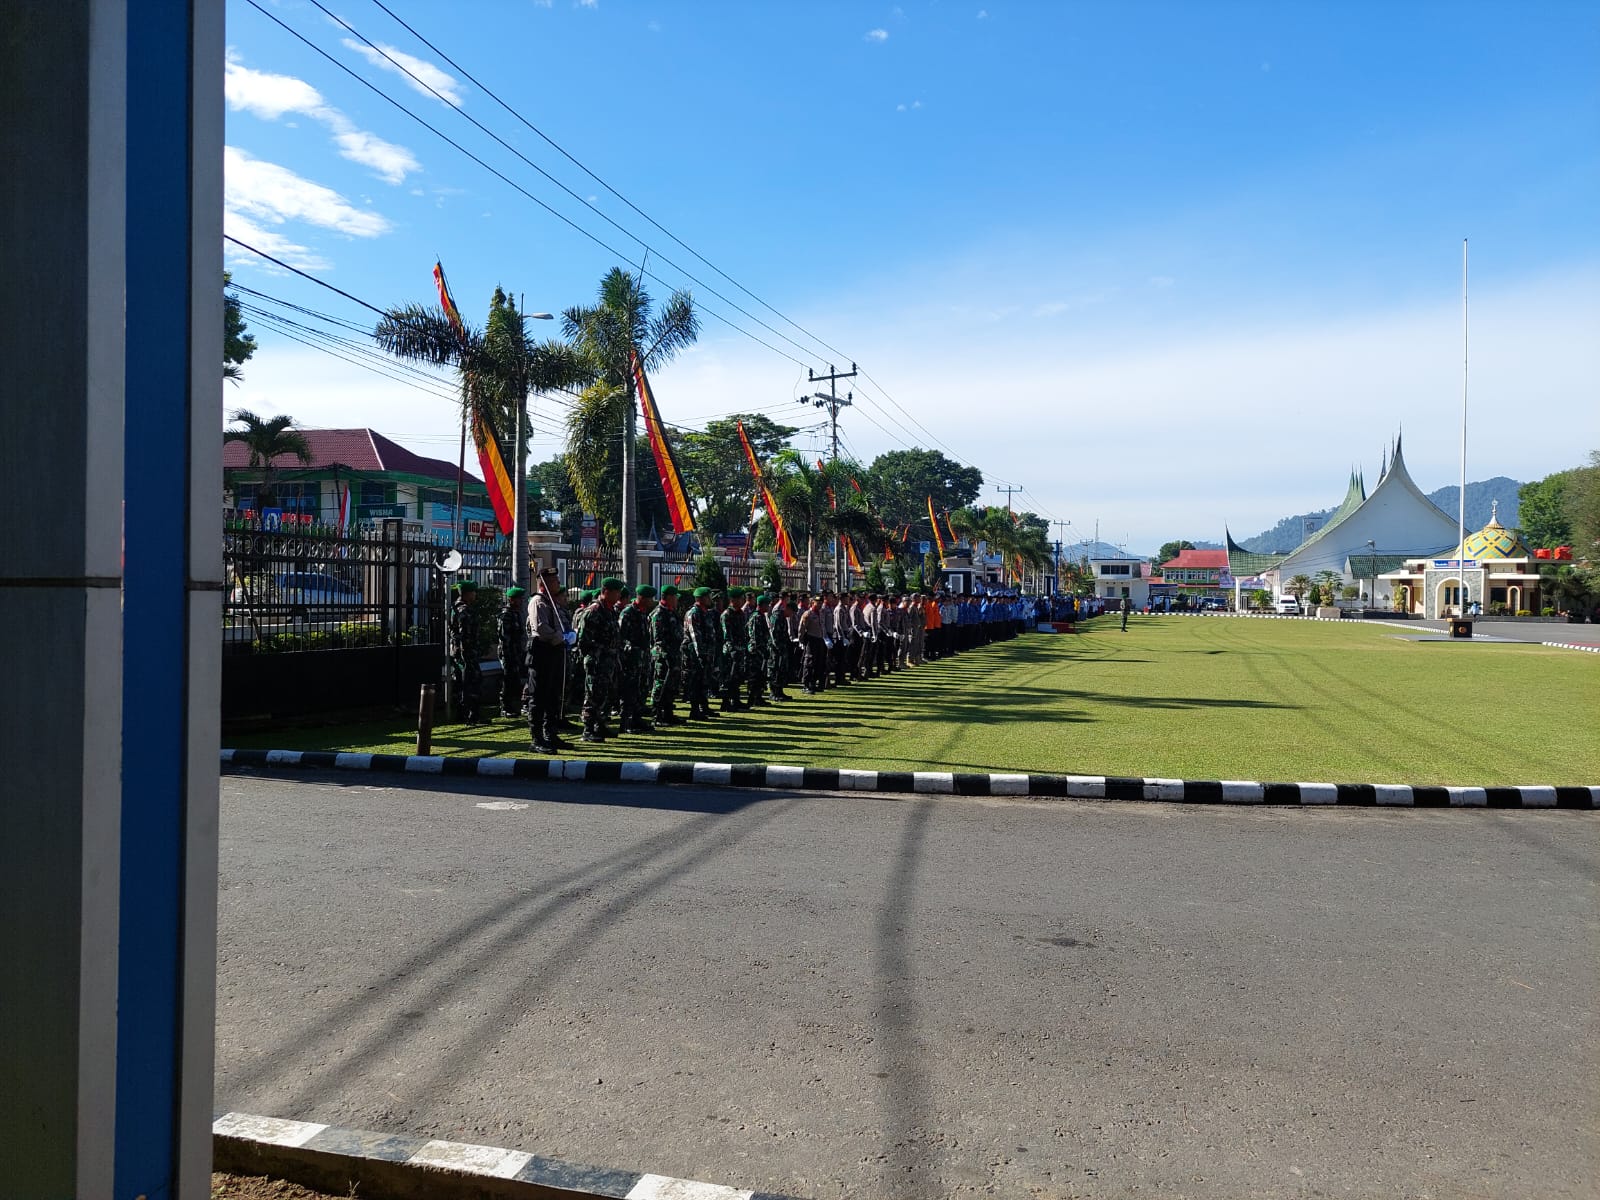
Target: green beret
{"points": [[627, 592], [513, 592], [669, 590], [645, 592], [765, 598], [735, 592], [587, 595], [468, 585], [611, 584], [700, 593]]}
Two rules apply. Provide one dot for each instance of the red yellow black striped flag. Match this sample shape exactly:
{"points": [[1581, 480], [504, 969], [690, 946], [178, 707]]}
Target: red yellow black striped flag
{"points": [[491, 460], [666, 466], [938, 537], [779, 531]]}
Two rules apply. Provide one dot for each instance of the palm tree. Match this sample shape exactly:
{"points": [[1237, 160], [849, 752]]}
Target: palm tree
{"points": [[497, 368], [611, 332], [816, 500], [1298, 586], [267, 440]]}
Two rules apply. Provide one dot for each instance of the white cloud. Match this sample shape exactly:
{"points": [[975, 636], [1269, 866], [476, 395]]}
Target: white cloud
{"points": [[391, 162], [983, 14], [269, 97], [264, 191], [877, 35], [420, 75], [238, 225], [915, 104], [543, 3], [588, 3]]}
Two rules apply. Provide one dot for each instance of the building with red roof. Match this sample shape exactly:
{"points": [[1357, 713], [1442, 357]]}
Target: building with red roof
{"points": [[356, 469]]}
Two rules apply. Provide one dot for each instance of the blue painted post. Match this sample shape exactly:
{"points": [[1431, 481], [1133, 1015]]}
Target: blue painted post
{"points": [[172, 598]]}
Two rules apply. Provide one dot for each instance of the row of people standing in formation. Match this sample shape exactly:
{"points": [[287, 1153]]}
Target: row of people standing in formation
{"points": [[638, 655]]}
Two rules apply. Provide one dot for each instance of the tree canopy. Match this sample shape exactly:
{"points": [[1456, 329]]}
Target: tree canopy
{"points": [[237, 345], [716, 472], [902, 480], [1171, 550]]}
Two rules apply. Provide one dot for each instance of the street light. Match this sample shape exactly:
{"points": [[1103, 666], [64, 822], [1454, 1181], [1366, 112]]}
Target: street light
{"points": [[1372, 573], [519, 499]]}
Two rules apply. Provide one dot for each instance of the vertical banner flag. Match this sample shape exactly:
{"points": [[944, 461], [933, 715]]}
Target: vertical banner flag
{"points": [[666, 466], [344, 508], [851, 557], [938, 537], [953, 538], [490, 458], [779, 530]]}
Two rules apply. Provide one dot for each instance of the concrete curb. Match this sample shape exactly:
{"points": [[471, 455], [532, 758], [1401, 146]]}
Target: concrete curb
{"points": [[841, 779], [385, 1166]]}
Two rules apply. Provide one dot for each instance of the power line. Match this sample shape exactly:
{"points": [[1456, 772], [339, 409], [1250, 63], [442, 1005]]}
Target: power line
{"points": [[575, 162], [509, 182]]}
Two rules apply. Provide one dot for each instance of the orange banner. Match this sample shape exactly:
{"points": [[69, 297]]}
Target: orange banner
{"points": [[666, 466], [779, 530]]}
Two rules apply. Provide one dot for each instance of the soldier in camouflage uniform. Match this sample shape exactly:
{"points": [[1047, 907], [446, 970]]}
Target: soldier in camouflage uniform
{"points": [[666, 649], [633, 680], [735, 650], [466, 675], [598, 641], [782, 660], [513, 652], [758, 650], [699, 654]]}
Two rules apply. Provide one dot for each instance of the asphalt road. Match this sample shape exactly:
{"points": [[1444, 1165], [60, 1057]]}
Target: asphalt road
{"points": [[838, 996]]}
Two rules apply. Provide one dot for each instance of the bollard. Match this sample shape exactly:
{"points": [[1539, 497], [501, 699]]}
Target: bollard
{"points": [[425, 720]]}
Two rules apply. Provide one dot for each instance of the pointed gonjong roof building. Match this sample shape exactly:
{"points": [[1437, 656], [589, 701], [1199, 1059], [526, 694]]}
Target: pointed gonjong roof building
{"points": [[1396, 517]]}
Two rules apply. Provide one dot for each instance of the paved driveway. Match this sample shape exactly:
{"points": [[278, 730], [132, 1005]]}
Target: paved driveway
{"points": [[839, 996]]}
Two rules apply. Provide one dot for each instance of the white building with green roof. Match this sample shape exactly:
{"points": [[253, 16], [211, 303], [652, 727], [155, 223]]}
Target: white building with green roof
{"points": [[1368, 535]]}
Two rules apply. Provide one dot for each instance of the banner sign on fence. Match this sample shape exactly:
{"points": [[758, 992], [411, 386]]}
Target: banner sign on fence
{"points": [[589, 532]]}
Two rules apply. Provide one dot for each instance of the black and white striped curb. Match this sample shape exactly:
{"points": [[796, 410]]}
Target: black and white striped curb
{"points": [[842, 779], [1572, 646], [348, 1161]]}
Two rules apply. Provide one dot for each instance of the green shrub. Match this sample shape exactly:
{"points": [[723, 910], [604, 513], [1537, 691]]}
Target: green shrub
{"points": [[1547, 612], [1522, 612], [708, 572]]}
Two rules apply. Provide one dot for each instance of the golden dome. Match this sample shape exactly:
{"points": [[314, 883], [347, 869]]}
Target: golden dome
{"points": [[1494, 542]]}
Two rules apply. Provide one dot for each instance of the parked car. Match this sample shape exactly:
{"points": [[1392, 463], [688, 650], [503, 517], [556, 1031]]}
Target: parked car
{"points": [[304, 592], [1288, 606]]}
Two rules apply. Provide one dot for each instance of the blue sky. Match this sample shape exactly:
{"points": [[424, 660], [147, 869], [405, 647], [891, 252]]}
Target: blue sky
{"points": [[1165, 266]]}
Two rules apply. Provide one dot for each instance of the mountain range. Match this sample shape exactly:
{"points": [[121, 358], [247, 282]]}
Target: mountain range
{"points": [[1291, 531]]}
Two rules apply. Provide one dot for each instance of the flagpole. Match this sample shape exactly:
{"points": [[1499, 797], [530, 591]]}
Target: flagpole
{"points": [[1461, 507]]}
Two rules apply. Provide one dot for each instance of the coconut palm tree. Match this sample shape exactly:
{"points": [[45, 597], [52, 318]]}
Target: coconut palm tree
{"points": [[497, 368], [817, 502], [266, 440], [611, 332]]}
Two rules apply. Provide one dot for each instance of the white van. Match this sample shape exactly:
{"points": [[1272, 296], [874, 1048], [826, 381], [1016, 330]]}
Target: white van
{"points": [[1288, 606]]}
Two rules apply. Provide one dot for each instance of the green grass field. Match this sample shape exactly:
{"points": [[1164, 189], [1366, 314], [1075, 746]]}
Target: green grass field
{"points": [[1178, 698]]}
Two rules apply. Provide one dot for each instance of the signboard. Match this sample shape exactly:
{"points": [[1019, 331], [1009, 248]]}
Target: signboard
{"points": [[373, 511], [1455, 564], [483, 530], [589, 533], [733, 541]]}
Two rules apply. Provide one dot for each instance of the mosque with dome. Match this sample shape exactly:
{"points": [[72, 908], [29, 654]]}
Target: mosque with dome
{"points": [[1403, 552]]}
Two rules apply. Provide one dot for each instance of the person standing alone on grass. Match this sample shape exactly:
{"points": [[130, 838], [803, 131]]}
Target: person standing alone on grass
{"points": [[1127, 607]]}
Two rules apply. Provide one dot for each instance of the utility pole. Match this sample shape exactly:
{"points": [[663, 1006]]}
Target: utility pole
{"points": [[1009, 491], [833, 404], [1061, 532]]}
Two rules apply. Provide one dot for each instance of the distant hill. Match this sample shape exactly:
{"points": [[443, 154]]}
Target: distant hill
{"points": [[1291, 531], [1479, 501]]}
